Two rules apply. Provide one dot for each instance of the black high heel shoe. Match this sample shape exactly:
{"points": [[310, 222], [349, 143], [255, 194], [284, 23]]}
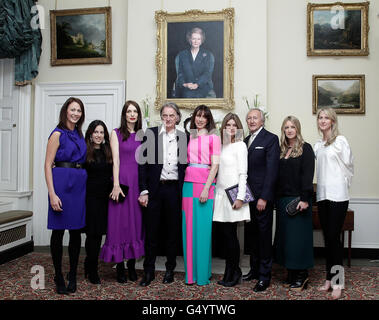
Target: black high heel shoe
{"points": [[132, 270], [94, 278], [301, 282], [71, 287], [290, 279], [121, 278], [236, 278], [86, 268], [60, 284], [227, 276]]}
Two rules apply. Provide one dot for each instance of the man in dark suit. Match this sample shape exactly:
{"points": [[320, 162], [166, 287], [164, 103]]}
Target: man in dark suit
{"points": [[263, 165], [161, 169]]}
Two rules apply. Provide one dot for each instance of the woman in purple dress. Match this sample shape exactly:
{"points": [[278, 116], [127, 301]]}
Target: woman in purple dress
{"points": [[66, 183], [125, 235]]}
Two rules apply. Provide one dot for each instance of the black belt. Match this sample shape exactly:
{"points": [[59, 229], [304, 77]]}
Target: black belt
{"points": [[74, 165], [168, 181]]}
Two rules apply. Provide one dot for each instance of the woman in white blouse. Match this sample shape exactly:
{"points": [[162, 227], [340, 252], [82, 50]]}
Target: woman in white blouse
{"points": [[232, 171], [335, 169]]}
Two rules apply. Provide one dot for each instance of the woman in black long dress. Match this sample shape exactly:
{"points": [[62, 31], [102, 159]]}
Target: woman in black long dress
{"points": [[294, 234], [99, 184]]}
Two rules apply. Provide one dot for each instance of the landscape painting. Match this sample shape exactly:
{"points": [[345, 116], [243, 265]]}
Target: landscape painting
{"points": [[325, 37], [344, 93], [81, 36], [338, 29]]}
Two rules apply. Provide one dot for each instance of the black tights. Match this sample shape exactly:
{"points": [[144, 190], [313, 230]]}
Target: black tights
{"points": [[231, 244], [93, 244], [56, 249]]}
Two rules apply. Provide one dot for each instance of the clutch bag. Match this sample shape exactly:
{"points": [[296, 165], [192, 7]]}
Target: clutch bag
{"points": [[125, 190], [232, 193], [291, 207]]}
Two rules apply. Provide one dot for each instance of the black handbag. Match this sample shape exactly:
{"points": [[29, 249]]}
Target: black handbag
{"points": [[291, 207], [125, 190]]}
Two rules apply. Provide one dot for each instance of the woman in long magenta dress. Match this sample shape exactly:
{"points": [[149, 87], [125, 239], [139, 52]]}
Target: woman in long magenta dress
{"points": [[198, 196], [125, 236]]}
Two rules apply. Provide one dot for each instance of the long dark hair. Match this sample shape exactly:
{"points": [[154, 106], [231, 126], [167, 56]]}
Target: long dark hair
{"points": [[124, 125], [211, 126], [63, 115], [235, 117], [105, 147]]}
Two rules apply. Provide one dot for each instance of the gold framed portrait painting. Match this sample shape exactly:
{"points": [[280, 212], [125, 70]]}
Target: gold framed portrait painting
{"points": [[81, 36], [337, 29], [344, 93], [195, 58]]}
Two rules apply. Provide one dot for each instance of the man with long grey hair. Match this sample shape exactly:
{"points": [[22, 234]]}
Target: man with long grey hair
{"points": [[162, 162]]}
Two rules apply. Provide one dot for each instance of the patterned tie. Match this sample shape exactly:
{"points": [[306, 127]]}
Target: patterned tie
{"points": [[252, 137]]}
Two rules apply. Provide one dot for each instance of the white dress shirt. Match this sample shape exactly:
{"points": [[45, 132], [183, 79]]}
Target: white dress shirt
{"points": [[335, 169], [170, 155], [253, 136], [232, 171]]}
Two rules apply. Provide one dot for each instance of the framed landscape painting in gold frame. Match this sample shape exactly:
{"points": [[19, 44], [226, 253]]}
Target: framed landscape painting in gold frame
{"points": [[81, 36], [204, 77], [344, 93], [337, 29]]}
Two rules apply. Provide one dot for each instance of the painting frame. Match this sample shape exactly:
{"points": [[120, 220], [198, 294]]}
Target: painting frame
{"points": [[224, 17], [347, 77], [57, 61], [312, 49]]}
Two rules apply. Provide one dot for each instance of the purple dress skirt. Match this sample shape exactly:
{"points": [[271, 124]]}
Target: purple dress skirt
{"points": [[69, 183], [125, 236]]}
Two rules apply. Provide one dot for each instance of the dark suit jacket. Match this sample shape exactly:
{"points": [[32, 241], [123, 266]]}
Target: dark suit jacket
{"points": [[263, 164], [198, 71], [152, 147]]}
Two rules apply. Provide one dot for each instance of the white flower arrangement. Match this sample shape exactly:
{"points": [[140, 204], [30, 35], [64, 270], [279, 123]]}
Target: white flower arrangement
{"points": [[256, 104], [218, 118], [146, 102]]}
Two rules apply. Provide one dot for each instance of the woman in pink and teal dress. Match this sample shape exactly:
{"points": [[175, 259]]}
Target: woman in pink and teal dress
{"points": [[198, 196]]}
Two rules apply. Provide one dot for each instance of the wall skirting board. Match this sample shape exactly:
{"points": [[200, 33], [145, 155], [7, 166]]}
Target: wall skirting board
{"points": [[366, 225]]}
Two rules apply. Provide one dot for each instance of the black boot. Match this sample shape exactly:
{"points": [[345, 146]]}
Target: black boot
{"points": [[60, 284], [236, 278], [131, 263], [93, 276], [86, 267], [290, 278], [300, 281], [121, 278], [227, 275], [71, 277]]}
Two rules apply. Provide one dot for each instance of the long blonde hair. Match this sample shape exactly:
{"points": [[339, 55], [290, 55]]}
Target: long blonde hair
{"points": [[297, 149], [332, 115]]}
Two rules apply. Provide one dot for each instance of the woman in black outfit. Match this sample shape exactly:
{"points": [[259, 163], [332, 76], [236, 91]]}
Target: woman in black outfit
{"points": [[99, 186], [294, 234]]}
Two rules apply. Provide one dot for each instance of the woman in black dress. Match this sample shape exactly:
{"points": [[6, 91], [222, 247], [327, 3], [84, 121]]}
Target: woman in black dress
{"points": [[99, 186], [294, 234]]}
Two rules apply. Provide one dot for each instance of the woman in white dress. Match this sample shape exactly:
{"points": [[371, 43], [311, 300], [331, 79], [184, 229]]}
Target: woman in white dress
{"points": [[335, 170], [232, 171]]}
